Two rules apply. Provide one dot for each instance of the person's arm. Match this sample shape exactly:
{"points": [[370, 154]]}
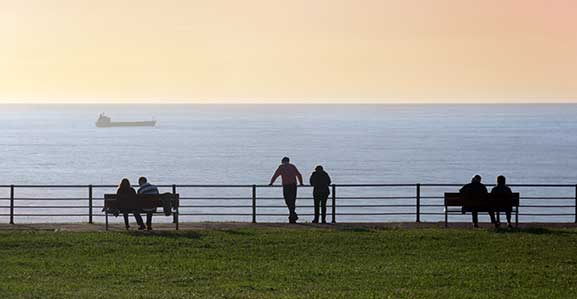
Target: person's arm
{"points": [[275, 176], [299, 177], [329, 179], [311, 180]]}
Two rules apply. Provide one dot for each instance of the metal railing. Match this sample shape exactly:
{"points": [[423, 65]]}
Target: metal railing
{"points": [[252, 203]]}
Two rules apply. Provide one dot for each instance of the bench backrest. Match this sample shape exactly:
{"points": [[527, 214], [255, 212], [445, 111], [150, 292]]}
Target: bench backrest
{"points": [[141, 201], [456, 199]]}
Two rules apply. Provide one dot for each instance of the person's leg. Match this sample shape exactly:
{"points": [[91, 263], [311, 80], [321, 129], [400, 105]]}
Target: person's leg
{"points": [[294, 203], [493, 220], [149, 220], [508, 213], [317, 201], [139, 220], [289, 194], [126, 223], [475, 219], [285, 195], [324, 208]]}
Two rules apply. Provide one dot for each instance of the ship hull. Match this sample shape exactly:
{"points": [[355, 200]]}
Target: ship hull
{"points": [[126, 124]]}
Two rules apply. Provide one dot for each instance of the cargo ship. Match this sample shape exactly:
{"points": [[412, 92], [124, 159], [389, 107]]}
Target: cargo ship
{"points": [[106, 122]]}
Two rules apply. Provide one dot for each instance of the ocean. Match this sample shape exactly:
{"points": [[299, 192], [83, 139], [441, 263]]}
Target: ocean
{"points": [[243, 144]]}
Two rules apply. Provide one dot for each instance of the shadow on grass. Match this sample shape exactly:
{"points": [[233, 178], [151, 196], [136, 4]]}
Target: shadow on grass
{"points": [[236, 232], [354, 229], [534, 231], [167, 234]]}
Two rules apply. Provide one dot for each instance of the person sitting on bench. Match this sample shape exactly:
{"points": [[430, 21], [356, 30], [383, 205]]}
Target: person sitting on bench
{"points": [[147, 188], [126, 193], [475, 192], [503, 193]]}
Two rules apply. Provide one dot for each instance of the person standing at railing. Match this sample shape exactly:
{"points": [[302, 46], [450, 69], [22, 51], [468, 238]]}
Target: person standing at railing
{"points": [[149, 189], [289, 175], [503, 193], [126, 193], [321, 181], [474, 194]]}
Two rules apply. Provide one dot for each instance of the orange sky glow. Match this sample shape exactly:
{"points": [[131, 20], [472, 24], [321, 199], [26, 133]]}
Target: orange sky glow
{"points": [[288, 51]]}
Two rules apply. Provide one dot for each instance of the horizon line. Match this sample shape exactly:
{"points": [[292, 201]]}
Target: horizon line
{"points": [[318, 101]]}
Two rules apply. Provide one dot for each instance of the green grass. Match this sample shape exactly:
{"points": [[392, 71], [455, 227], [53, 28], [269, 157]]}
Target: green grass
{"points": [[291, 263]]}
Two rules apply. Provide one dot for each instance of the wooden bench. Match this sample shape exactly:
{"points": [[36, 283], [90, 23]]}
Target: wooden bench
{"points": [[454, 203], [143, 201]]}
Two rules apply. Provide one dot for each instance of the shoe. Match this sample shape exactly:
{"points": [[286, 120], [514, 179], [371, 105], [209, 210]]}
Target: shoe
{"points": [[315, 221], [127, 227], [141, 227], [509, 225], [475, 225], [324, 221]]}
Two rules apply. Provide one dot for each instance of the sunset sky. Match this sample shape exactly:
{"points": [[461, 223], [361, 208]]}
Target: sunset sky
{"points": [[295, 50]]}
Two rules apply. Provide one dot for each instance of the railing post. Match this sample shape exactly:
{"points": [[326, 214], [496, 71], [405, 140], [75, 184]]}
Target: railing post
{"points": [[334, 205], [175, 219], [90, 204], [575, 203], [418, 202], [11, 204], [253, 203]]}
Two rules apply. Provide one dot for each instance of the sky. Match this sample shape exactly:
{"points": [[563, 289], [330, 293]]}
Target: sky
{"points": [[276, 51]]}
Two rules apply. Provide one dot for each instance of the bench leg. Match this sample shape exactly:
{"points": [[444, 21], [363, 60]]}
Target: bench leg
{"points": [[517, 217], [446, 217], [106, 216], [176, 219]]}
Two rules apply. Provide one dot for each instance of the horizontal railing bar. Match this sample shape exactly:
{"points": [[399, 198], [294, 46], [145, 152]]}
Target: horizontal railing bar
{"points": [[216, 198], [55, 215], [276, 186], [49, 199], [545, 206], [544, 197], [50, 207], [214, 214]]}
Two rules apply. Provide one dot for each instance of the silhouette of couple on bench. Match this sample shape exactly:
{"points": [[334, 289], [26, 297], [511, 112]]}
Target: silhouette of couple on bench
{"points": [[477, 200], [126, 192]]}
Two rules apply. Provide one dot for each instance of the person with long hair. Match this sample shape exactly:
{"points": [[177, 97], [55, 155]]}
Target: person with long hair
{"points": [[125, 192]]}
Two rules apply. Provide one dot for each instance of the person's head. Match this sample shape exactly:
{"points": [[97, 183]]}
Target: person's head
{"points": [[476, 179], [319, 168], [501, 180], [124, 184], [142, 180], [285, 160]]}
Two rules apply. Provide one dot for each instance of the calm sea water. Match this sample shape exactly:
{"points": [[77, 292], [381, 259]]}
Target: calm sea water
{"points": [[243, 144]]}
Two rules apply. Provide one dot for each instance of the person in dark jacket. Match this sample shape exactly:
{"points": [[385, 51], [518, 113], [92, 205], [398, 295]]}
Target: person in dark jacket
{"points": [[476, 192], [321, 181], [126, 192], [503, 192]]}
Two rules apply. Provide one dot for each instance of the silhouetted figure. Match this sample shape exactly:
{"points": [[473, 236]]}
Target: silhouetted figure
{"points": [[504, 195], [147, 188], [126, 193], [321, 181], [475, 193], [289, 174]]}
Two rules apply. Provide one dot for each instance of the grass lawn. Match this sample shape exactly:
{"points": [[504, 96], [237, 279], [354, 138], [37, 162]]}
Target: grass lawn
{"points": [[267, 262]]}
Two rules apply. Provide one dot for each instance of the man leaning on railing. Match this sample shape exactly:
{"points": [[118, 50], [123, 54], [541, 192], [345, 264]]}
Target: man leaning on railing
{"points": [[289, 174]]}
